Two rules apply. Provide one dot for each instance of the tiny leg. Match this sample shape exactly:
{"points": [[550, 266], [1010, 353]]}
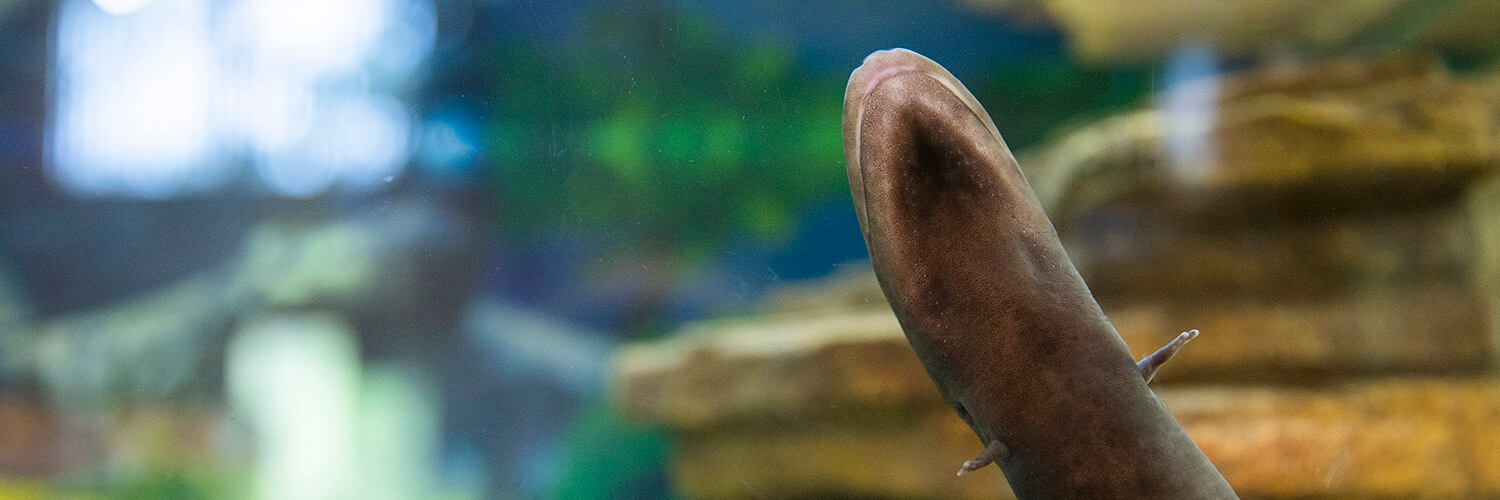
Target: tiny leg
{"points": [[992, 452], [1150, 364]]}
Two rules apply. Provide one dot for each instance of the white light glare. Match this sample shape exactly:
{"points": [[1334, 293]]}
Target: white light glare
{"points": [[319, 36], [121, 7], [295, 381], [176, 95], [1190, 106], [132, 99], [355, 142]]}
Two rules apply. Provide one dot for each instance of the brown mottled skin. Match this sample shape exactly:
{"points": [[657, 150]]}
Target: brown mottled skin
{"points": [[992, 305]]}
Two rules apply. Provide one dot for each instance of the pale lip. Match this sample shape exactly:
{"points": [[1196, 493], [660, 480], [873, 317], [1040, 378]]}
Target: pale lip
{"points": [[885, 64]]}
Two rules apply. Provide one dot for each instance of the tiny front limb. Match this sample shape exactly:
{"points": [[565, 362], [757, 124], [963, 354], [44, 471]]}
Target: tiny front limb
{"points": [[992, 452], [1150, 364], [1148, 367]]}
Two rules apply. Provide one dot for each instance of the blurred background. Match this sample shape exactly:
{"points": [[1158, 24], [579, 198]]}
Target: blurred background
{"points": [[515, 249]]}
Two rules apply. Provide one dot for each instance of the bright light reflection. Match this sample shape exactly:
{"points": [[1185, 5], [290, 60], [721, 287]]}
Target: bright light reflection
{"points": [[131, 111], [356, 142], [121, 7], [274, 114], [1190, 106], [313, 35], [295, 381], [411, 29], [178, 95]]}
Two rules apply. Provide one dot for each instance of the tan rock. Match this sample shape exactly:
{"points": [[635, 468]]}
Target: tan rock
{"points": [[1310, 134], [850, 287], [1116, 30], [1483, 204], [849, 455], [1141, 31], [744, 370], [1392, 438], [1130, 255], [1429, 329], [740, 370]]}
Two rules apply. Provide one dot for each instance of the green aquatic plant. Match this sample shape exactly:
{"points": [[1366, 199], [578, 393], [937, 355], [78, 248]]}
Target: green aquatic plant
{"points": [[660, 131]]}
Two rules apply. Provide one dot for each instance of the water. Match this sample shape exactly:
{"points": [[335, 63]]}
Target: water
{"points": [[457, 249]]}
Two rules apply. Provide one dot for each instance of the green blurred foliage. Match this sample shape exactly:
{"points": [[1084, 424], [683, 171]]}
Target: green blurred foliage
{"points": [[164, 488], [607, 457], [1038, 99], [165, 484], [650, 127]]}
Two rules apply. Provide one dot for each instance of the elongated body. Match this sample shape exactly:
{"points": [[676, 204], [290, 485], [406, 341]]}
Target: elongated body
{"points": [[992, 305]]}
